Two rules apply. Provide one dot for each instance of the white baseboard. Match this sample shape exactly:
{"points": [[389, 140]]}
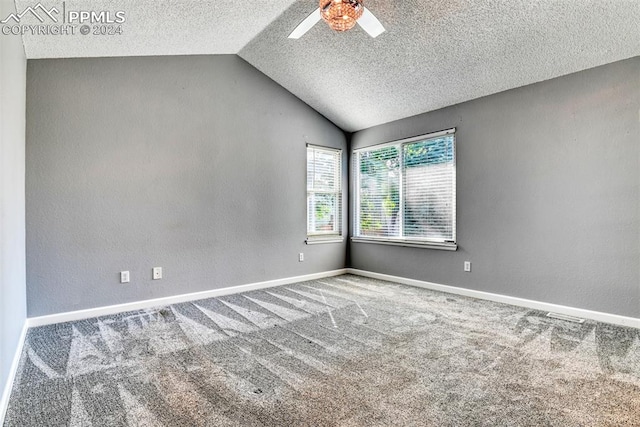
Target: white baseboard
{"points": [[521, 302], [6, 393], [119, 308]]}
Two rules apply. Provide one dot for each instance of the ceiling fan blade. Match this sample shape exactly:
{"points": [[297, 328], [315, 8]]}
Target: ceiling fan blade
{"points": [[370, 24], [306, 25]]}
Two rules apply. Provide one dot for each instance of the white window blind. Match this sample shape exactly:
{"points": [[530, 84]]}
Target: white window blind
{"points": [[324, 192], [406, 191]]}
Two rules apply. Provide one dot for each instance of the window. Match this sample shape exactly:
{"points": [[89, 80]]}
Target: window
{"points": [[324, 194], [406, 192]]}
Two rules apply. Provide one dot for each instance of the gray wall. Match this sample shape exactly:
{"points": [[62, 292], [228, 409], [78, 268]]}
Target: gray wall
{"points": [[12, 165], [195, 164], [548, 193]]}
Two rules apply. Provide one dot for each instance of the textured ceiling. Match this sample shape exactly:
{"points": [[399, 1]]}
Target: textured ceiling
{"points": [[153, 27], [435, 53]]}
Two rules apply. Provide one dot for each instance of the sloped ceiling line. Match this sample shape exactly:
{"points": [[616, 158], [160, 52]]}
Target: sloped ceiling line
{"points": [[435, 53]]}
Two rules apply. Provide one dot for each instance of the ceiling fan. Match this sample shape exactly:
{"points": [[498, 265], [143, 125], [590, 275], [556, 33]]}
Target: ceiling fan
{"points": [[341, 15]]}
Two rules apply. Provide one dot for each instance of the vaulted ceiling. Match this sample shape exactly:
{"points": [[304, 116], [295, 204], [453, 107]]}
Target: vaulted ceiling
{"points": [[434, 53]]}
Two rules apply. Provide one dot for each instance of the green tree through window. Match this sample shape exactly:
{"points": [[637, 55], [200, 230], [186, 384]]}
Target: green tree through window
{"points": [[324, 192], [407, 190]]}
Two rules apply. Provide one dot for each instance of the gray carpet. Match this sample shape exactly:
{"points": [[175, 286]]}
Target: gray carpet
{"points": [[342, 351]]}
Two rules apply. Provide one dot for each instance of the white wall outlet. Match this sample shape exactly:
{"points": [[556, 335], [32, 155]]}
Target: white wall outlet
{"points": [[467, 266], [157, 273], [124, 277], [301, 257]]}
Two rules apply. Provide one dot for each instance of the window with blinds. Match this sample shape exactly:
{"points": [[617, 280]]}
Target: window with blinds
{"points": [[324, 193], [406, 191]]}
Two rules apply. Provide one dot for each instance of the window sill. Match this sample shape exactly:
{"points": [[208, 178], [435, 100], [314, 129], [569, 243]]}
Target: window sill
{"points": [[315, 240], [408, 243]]}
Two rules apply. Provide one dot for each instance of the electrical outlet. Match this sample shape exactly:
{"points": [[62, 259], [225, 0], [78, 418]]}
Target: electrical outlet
{"points": [[467, 266], [157, 273], [124, 277], [301, 257]]}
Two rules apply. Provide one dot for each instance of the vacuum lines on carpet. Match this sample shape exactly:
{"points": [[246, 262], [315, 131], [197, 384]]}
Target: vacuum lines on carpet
{"points": [[341, 351]]}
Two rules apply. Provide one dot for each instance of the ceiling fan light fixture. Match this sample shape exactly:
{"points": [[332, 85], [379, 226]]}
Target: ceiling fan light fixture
{"points": [[341, 15]]}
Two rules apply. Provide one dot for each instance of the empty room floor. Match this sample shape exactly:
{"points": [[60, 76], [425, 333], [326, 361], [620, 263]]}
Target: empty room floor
{"points": [[340, 351]]}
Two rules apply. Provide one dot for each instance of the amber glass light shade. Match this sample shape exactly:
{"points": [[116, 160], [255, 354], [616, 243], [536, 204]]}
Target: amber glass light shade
{"points": [[341, 15]]}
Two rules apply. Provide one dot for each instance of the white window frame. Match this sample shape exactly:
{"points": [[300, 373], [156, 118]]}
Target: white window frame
{"points": [[450, 245], [330, 236]]}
